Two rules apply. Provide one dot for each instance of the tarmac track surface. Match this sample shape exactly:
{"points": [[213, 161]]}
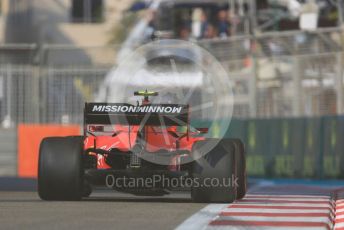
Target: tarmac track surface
{"points": [[104, 210], [319, 207]]}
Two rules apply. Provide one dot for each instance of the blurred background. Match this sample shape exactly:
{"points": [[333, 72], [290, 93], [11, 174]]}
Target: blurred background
{"points": [[284, 57]]}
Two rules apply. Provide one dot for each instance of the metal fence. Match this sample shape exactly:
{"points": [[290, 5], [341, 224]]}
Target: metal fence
{"points": [[50, 95], [49, 84], [275, 75], [284, 74]]}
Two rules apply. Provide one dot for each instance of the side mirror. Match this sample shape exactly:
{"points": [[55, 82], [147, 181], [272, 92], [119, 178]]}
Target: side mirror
{"points": [[96, 128], [202, 130]]}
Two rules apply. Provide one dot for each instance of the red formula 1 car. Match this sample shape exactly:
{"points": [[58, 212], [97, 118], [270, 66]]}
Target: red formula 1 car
{"points": [[143, 149]]}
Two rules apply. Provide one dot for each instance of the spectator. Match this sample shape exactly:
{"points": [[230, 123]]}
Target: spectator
{"points": [[223, 24], [150, 29], [204, 24], [184, 33], [199, 23], [210, 32], [196, 23]]}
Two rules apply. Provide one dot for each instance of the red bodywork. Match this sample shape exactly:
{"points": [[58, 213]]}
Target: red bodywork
{"points": [[155, 140]]}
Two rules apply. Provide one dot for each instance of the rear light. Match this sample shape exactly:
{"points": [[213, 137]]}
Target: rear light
{"points": [[96, 128]]}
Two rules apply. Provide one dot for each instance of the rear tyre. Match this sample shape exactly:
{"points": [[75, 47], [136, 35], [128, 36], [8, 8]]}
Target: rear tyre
{"points": [[216, 164], [86, 190], [60, 171], [240, 163]]}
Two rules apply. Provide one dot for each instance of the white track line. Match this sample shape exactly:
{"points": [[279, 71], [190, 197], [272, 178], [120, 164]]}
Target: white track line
{"points": [[202, 218]]}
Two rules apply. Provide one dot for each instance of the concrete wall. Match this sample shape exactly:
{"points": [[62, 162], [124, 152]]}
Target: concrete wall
{"points": [[8, 152], [48, 21]]}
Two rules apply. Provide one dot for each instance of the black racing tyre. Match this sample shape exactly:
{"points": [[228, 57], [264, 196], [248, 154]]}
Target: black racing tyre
{"points": [[60, 171], [217, 164], [86, 190], [240, 163]]}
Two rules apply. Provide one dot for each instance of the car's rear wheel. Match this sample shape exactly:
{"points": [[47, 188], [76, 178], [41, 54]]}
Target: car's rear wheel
{"points": [[214, 171], [240, 164], [60, 171]]}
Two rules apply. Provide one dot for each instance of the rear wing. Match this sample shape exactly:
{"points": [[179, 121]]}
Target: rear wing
{"points": [[127, 114]]}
